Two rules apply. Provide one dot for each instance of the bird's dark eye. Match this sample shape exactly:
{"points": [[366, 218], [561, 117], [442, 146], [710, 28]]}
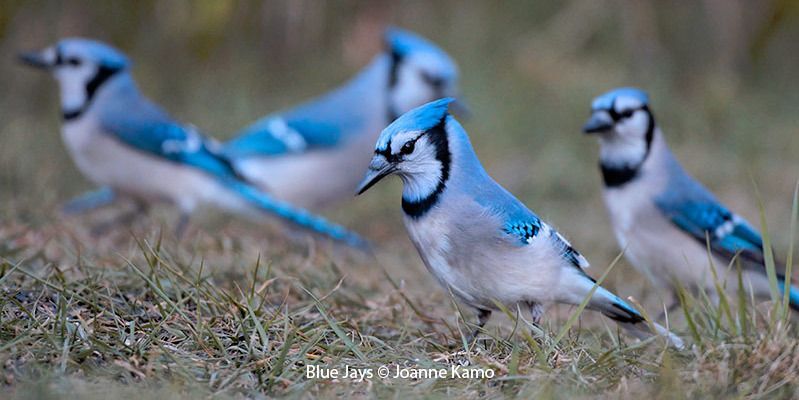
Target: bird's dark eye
{"points": [[627, 113], [407, 148], [73, 61], [432, 80]]}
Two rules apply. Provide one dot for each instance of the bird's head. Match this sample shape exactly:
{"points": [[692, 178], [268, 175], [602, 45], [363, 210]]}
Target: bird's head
{"points": [[81, 66], [420, 72], [624, 124], [415, 147]]}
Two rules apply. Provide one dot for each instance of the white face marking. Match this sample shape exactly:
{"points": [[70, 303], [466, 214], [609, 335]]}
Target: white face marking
{"points": [[420, 171], [626, 143], [414, 87], [73, 74]]}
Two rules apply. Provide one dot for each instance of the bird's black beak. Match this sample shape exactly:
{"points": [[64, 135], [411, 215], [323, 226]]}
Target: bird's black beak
{"points": [[34, 59], [379, 168], [600, 121]]}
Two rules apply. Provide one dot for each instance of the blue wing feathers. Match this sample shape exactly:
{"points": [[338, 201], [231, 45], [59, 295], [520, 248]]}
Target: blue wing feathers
{"points": [[277, 135], [728, 233], [524, 230], [152, 131]]}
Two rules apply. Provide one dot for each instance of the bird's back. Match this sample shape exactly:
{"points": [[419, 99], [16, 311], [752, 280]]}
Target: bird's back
{"points": [[323, 122]]}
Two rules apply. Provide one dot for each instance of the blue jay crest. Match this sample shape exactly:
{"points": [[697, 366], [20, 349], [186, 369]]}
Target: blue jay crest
{"points": [[605, 101], [419, 119], [101, 53], [402, 44]]}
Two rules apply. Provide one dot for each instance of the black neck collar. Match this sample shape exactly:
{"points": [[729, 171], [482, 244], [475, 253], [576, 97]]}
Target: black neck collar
{"points": [[103, 74], [438, 137]]}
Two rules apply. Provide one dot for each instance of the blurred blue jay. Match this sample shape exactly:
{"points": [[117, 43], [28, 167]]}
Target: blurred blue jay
{"points": [[478, 240], [331, 137], [123, 142], [662, 217]]}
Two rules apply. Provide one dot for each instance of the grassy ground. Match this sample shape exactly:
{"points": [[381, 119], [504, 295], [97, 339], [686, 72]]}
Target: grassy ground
{"points": [[238, 310], [139, 314]]}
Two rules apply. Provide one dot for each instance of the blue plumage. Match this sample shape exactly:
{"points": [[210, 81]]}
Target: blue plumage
{"points": [[664, 218], [99, 52], [309, 127], [90, 200], [607, 100], [335, 131], [526, 231], [727, 233], [420, 119], [153, 132], [406, 44], [128, 145], [475, 237], [296, 215]]}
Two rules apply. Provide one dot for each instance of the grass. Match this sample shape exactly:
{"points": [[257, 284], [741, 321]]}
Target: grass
{"points": [[208, 317]]}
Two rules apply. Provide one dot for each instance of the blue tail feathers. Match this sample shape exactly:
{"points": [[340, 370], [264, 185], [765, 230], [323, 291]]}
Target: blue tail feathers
{"points": [[296, 215], [793, 294]]}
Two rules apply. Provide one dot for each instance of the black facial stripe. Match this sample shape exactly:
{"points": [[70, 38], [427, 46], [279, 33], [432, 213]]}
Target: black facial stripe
{"points": [[59, 59], [614, 175], [438, 138], [386, 152], [393, 77], [650, 129], [70, 115], [394, 158], [102, 75]]}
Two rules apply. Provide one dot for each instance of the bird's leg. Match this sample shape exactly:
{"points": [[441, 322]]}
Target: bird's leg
{"points": [[673, 306], [89, 201], [124, 218], [536, 313], [482, 318], [180, 228]]}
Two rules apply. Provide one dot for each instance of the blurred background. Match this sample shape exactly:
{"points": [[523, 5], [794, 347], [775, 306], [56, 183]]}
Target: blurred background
{"points": [[721, 75]]}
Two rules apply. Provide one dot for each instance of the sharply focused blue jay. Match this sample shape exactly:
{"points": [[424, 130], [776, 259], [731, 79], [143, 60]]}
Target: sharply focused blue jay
{"points": [[479, 241], [662, 217], [123, 142], [312, 154]]}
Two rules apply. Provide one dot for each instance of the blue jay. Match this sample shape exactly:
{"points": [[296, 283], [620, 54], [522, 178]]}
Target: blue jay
{"points": [[123, 142], [477, 240], [662, 217], [332, 136]]}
